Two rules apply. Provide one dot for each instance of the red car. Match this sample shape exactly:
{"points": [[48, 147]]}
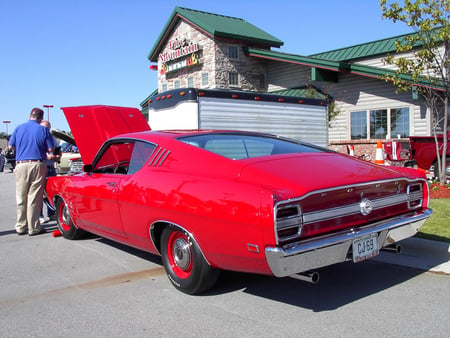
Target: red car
{"points": [[222, 200]]}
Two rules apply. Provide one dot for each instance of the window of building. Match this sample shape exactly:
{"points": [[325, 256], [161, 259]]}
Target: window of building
{"points": [[190, 81], [176, 84], [358, 125], [379, 124], [205, 80], [233, 78], [262, 82], [233, 52], [400, 122], [164, 87]]}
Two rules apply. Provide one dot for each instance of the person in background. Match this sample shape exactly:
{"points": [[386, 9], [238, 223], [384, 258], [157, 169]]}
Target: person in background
{"points": [[2, 160], [47, 212], [31, 142]]}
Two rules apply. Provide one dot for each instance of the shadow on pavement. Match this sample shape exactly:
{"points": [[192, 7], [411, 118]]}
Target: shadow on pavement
{"points": [[339, 284]]}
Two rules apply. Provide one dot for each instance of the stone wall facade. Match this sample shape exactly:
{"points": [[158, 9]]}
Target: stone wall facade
{"points": [[213, 60]]}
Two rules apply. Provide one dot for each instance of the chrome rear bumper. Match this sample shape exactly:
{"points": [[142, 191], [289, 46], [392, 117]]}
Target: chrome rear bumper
{"points": [[319, 252]]}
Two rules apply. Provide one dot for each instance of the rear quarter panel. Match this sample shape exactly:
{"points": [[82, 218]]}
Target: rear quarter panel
{"points": [[224, 216]]}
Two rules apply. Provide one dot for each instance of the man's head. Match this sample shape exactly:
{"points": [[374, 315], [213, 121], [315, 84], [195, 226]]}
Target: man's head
{"points": [[46, 124], [37, 114]]}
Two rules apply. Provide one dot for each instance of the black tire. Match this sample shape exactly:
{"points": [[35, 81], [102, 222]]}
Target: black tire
{"points": [[184, 263], [65, 223]]}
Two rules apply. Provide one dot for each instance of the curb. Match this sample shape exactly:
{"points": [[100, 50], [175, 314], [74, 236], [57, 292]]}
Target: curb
{"points": [[419, 253]]}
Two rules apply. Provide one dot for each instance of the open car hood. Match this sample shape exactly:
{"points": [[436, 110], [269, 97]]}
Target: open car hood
{"points": [[91, 126], [64, 136]]}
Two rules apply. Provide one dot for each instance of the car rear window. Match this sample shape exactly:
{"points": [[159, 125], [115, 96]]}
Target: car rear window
{"points": [[241, 146]]}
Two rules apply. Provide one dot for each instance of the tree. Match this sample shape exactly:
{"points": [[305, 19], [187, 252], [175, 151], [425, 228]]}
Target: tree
{"points": [[422, 63]]}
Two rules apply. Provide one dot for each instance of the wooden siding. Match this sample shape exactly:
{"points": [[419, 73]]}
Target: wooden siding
{"points": [[351, 93]]}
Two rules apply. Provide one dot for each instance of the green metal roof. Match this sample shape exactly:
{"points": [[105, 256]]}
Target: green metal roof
{"points": [[364, 50], [215, 26], [303, 91], [343, 67]]}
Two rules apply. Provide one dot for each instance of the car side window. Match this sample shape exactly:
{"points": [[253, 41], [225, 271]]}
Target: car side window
{"points": [[140, 155], [124, 157], [115, 159]]}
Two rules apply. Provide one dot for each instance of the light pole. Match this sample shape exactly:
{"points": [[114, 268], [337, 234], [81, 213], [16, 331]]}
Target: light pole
{"points": [[6, 125], [48, 106]]}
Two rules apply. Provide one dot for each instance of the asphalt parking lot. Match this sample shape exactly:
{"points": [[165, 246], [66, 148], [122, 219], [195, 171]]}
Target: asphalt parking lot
{"points": [[52, 287]]}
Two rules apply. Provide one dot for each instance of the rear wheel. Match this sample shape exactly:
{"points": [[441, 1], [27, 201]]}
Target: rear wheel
{"points": [[65, 223], [184, 263]]}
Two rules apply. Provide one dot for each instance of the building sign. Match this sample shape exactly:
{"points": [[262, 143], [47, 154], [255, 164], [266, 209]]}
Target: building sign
{"points": [[180, 54]]}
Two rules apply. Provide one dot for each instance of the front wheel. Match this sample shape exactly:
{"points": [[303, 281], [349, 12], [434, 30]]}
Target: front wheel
{"points": [[65, 223], [184, 263]]}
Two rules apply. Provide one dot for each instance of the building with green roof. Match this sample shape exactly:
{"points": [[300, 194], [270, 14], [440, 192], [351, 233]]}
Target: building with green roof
{"points": [[207, 50]]}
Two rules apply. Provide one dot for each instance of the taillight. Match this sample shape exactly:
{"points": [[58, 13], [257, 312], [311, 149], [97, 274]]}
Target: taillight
{"points": [[288, 221], [415, 195]]}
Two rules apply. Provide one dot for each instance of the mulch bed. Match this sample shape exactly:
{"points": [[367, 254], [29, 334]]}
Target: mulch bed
{"points": [[439, 191]]}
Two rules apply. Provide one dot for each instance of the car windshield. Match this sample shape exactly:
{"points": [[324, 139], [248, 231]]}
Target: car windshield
{"points": [[241, 146], [68, 148]]}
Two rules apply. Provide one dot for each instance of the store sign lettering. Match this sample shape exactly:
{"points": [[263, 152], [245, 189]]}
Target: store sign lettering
{"points": [[179, 48]]}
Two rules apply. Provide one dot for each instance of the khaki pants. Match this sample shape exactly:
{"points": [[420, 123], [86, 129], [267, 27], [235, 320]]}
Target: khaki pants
{"points": [[30, 181]]}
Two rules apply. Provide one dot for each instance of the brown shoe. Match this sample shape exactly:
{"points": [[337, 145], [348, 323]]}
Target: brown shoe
{"points": [[42, 231]]}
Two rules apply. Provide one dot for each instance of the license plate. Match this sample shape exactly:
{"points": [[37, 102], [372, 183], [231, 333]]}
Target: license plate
{"points": [[365, 247]]}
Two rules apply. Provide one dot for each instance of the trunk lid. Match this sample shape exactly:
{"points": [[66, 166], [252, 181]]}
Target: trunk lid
{"points": [[328, 192], [307, 172]]}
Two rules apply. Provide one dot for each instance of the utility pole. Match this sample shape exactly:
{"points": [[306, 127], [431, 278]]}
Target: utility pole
{"points": [[48, 106]]}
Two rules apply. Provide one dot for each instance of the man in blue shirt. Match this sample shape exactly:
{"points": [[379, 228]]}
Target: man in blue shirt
{"points": [[31, 142], [51, 171]]}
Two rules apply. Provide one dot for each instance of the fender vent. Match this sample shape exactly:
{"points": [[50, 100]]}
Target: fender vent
{"points": [[158, 157]]}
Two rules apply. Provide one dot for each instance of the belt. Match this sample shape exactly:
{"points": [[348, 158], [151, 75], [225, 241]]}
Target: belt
{"points": [[28, 161]]}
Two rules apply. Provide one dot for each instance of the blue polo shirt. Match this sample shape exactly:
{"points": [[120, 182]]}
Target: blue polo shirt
{"points": [[31, 141]]}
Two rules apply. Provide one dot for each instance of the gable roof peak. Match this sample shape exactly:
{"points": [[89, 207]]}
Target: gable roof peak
{"points": [[216, 26]]}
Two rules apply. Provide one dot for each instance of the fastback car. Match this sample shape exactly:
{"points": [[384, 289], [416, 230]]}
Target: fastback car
{"points": [[208, 201]]}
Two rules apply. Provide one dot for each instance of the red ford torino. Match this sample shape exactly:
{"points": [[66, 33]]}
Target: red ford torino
{"points": [[221, 200]]}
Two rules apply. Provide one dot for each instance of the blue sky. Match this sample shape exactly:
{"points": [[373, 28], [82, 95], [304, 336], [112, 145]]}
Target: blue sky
{"points": [[81, 52]]}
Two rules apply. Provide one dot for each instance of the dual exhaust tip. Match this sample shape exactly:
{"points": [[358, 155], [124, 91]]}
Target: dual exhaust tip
{"points": [[314, 277]]}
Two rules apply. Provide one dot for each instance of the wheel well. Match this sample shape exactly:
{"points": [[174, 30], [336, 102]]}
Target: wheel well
{"points": [[56, 198], [155, 233], [157, 228]]}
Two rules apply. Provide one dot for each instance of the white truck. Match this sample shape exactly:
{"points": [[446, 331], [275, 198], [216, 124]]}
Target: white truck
{"points": [[304, 119]]}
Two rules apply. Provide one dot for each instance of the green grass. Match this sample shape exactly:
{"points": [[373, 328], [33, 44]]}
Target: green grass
{"points": [[437, 227]]}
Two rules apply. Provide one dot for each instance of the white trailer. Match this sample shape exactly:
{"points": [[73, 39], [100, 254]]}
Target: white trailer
{"points": [[304, 119]]}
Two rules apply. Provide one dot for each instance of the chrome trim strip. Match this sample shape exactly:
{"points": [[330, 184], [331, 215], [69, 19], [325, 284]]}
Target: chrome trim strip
{"points": [[349, 210], [353, 209], [167, 153], [161, 154], [154, 156], [327, 250], [409, 181]]}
